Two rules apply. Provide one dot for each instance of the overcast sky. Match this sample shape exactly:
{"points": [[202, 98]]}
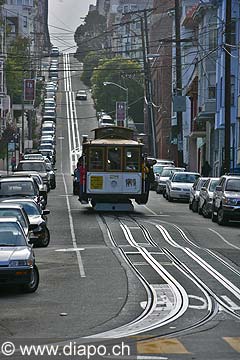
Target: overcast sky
{"points": [[65, 15]]}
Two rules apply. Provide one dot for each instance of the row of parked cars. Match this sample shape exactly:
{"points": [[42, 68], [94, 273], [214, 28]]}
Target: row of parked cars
{"points": [[215, 198], [23, 201]]}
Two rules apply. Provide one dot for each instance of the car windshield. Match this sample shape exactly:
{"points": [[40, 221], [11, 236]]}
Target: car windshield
{"points": [[185, 178], [13, 188], [31, 166], [13, 213], [11, 235], [201, 183], [213, 185], [157, 169], [167, 173], [233, 185], [30, 208]]}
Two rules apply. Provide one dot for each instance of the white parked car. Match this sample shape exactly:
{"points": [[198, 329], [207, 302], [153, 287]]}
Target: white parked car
{"points": [[164, 176], [179, 185]]}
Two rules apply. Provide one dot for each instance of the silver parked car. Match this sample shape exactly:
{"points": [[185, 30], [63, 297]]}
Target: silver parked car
{"points": [[17, 260], [206, 196], [179, 185]]}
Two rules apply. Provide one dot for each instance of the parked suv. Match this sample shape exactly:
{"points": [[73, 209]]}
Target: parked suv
{"points": [[226, 200]]}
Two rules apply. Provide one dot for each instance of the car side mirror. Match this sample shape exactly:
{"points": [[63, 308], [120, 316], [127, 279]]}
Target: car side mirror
{"points": [[42, 193], [203, 188], [32, 239], [45, 212], [55, 169], [218, 188]]}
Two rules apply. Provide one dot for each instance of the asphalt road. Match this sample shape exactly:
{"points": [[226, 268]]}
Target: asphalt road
{"points": [[160, 272]]}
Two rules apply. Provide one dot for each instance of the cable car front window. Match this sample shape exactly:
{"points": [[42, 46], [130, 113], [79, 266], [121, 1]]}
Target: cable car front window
{"points": [[96, 159], [114, 159], [132, 159]]}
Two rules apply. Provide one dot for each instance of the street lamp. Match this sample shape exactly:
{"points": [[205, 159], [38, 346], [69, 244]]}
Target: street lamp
{"points": [[126, 90]]}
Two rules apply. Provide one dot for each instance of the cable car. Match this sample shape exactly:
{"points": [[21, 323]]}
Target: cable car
{"points": [[115, 170]]}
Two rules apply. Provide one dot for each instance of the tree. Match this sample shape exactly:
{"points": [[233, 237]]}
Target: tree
{"points": [[90, 62], [90, 35], [7, 136], [124, 72], [17, 68]]}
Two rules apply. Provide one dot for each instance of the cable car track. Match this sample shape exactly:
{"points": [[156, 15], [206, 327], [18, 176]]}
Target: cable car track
{"points": [[141, 323]]}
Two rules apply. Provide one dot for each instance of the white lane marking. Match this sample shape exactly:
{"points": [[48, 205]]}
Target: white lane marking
{"points": [[151, 211], [223, 239], [230, 302], [150, 357], [78, 253], [66, 85], [70, 249]]}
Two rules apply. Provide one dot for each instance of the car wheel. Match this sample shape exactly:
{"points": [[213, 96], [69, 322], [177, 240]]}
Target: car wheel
{"points": [[200, 210], [204, 211], [170, 199], [221, 219], [53, 185], [164, 194], [46, 240], [190, 206], [195, 206], [214, 217], [33, 285]]}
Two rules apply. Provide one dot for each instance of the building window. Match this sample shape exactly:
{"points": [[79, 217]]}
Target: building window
{"points": [[211, 85], [25, 21], [213, 38], [233, 32], [19, 2]]}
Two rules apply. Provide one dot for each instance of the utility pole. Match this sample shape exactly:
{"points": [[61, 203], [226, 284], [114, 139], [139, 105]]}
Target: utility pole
{"points": [[147, 78], [178, 82], [227, 130]]}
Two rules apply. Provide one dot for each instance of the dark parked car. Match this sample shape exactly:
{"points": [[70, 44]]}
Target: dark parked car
{"points": [[17, 260], [226, 200], [205, 197], [35, 165], [194, 193]]}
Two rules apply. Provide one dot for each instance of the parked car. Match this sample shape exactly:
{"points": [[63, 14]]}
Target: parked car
{"points": [[205, 197], [17, 260], [194, 193], [226, 200], [179, 185], [52, 175], [37, 220], [36, 176], [54, 51], [157, 170], [165, 175], [19, 186], [35, 165], [81, 95], [17, 211]]}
